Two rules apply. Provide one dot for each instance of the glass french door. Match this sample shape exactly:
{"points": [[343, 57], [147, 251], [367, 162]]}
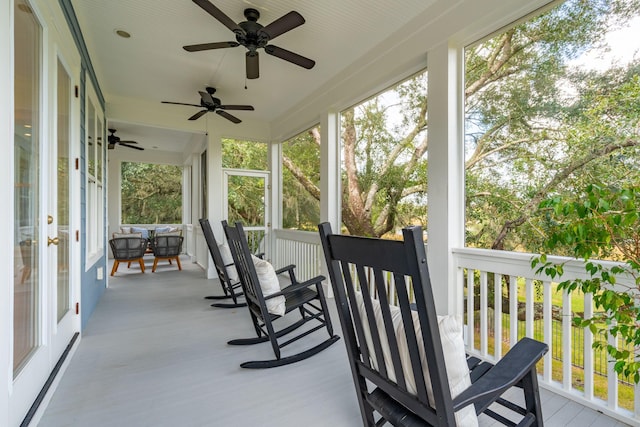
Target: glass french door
{"points": [[44, 320], [59, 215], [246, 200]]}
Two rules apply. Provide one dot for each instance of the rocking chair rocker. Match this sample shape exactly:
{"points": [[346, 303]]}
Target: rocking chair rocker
{"points": [[405, 361], [306, 297]]}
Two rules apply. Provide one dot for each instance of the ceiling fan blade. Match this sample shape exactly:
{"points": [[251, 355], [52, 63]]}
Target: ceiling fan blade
{"points": [[287, 55], [253, 67], [197, 115], [283, 24], [237, 107], [132, 146], [128, 142], [209, 46], [218, 14], [181, 103], [228, 116], [206, 97]]}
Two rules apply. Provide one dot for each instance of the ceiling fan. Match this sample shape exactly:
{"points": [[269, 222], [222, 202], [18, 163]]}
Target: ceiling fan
{"points": [[210, 103], [113, 140], [254, 36]]}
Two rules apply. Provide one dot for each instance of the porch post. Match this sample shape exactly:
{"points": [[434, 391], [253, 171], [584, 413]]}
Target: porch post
{"points": [[215, 191], [445, 175], [330, 191], [330, 200]]}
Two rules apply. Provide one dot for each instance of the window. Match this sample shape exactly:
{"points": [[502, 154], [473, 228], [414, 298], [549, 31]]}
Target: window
{"points": [[151, 193], [384, 155], [301, 181], [551, 106], [94, 131]]}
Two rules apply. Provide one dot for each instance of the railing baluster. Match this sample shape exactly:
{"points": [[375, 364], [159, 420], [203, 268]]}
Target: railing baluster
{"points": [[497, 318], [567, 354], [471, 302], [513, 310], [547, 319], [612, 377], [483, 313], [588, 349], [529, 308]]}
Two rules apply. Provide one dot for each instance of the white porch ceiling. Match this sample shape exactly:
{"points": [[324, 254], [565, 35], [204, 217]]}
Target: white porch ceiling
{"points": [[152, 66]]}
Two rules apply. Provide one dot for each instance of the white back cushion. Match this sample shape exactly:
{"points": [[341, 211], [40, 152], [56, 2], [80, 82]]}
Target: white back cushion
{"points": [[270, 285], [450, 328], [227, 259]]}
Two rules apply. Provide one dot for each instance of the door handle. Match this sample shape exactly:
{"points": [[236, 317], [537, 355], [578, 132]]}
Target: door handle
{"points": [[53, 241]]}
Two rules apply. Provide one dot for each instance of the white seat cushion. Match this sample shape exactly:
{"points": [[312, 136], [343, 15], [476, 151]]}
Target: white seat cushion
{"points": [[227, 259], [270, 285], [450, 328]]}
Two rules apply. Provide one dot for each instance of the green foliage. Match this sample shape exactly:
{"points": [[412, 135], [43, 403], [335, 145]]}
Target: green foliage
{"points": [[151, 193], [536, 124], [249, 155], [245, 193], [301, 181], [600, 222]]}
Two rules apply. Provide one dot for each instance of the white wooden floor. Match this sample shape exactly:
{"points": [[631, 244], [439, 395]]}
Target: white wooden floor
{"points": [[154, 353]]}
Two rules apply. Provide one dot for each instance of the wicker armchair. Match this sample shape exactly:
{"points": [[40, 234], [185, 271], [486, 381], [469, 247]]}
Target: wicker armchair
{"points": [[166, 248], [127, 249]]}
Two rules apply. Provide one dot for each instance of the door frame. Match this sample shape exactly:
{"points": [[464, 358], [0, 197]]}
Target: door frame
{"points": [[267, 225]]}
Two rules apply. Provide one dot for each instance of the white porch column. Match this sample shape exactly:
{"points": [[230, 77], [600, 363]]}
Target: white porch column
{"points": [[445, 175], [215, 191], [330, 191]]}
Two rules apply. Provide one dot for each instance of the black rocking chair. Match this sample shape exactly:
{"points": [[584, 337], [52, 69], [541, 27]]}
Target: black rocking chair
{"points": [[231, 288], [388, 347], [306, 297]]}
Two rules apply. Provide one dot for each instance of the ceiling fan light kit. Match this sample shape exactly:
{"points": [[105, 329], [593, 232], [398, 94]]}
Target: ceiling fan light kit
{"points": [[254, 36]]}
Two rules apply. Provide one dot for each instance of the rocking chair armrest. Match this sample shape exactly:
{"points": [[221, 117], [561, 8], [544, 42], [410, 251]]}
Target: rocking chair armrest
{"points": [[507, 372], [297, 286], [288, 268]]}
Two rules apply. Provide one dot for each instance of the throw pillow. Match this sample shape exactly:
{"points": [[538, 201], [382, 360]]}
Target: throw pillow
{"points": [[125, 229], [450, 328], [270, 285], [227, 259], [168, 233], [118, 235], [143, 231], [162, 230]]}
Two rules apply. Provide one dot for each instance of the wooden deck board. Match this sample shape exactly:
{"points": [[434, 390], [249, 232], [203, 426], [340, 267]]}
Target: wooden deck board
{"points": [[154, 353]]}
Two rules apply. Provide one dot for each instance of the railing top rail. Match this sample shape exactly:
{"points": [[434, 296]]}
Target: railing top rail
{"points": [[519, 264], [297, 235]]}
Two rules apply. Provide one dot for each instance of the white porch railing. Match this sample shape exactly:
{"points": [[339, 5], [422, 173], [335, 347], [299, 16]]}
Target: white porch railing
{"points": [[571, 367], [301, 248]]}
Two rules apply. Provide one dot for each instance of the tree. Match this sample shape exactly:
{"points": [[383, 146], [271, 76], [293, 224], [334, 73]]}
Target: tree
{"points": [[534, 127], [301, 180], [601, 222], [151, 193], [537, 124]]}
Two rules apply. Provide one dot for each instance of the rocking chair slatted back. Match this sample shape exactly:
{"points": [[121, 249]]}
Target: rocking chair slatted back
{"points": [[414, 359], [230, 288]]}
